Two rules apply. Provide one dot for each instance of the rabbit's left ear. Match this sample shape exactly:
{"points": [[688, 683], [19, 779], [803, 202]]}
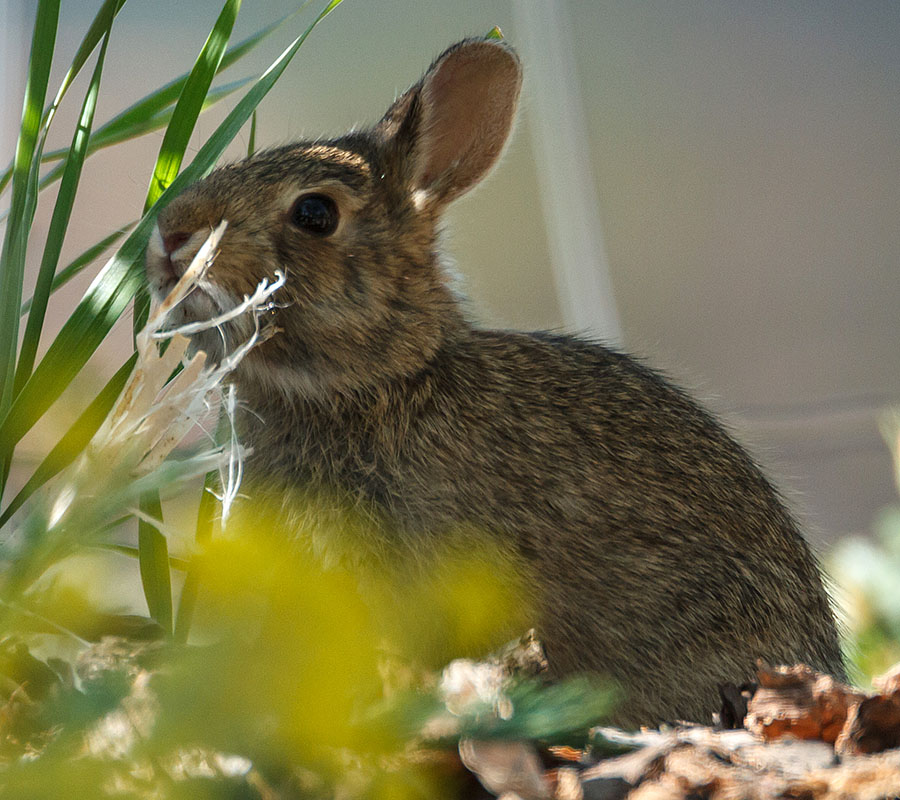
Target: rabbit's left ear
{"points": [[449, 129]]}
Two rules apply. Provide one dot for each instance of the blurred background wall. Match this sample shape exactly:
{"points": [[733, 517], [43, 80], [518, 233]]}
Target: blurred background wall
{"points": [[711, 184]]}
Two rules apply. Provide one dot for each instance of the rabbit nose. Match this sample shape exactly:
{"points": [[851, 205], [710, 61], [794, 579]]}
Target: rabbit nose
{"points": [[172, 241]]}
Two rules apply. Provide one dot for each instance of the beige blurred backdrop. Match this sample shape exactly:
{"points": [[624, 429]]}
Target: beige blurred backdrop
{"points": [[713, 185]]}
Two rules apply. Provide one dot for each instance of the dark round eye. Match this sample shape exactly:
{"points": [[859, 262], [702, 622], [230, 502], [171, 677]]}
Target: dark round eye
{"points": [[316, 214]]}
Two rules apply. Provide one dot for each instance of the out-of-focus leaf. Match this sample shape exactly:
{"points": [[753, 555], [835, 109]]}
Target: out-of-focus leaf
{"points": [[153, 555], [188, 600], [74, 440]]}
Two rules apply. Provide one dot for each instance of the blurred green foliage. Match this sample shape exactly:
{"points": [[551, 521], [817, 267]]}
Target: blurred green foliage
{"points": [[300, 679], [867, 571]]}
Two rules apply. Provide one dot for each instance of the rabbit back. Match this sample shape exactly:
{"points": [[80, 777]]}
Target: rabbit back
{"points": [[655, 547]]}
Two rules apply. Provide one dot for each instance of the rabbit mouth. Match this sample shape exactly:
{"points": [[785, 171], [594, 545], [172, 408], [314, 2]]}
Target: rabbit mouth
{"points": [[162, 272], [204, 301], [165, 268], [161, 275]]}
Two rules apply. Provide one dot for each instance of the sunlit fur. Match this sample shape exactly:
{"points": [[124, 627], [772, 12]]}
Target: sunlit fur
{"points": [[656, 551]]}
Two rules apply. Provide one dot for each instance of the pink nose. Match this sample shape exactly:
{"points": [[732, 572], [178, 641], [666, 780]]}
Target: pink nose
{"points": [[172, 241]]}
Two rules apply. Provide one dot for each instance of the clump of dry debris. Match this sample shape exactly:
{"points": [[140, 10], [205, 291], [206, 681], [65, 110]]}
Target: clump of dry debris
{"points": [[797, 734]]}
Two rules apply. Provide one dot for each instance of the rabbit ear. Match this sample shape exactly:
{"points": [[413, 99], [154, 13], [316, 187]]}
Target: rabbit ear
{"points": [[450, 127]]}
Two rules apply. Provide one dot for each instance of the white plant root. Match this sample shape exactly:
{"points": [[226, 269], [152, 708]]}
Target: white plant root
{"points": [[153, 414]]}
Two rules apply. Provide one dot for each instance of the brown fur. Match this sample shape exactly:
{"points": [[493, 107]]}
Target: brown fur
{"points": [[659, 554]]}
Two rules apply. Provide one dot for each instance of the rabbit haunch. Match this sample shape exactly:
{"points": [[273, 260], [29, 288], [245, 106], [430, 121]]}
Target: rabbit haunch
{"points": [[658, 553]]}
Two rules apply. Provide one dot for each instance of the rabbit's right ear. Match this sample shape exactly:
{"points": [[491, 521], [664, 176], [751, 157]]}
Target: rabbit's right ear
{"points": [[448, 130]]}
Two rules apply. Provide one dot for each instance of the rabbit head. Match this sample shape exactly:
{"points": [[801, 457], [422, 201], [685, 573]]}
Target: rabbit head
{"points": [[353, 224]]}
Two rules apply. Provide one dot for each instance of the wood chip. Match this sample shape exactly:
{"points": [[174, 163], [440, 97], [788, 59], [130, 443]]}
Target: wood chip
{"points": [[800, 702]]}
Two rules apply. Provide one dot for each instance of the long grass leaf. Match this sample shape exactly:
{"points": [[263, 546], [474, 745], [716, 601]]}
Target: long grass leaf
{"points": [[190, 102], [251, 141], [181, 564], [73, 440], [75, 267], [46, 22], [136, 115], [134, 125], [103, 303], [12, 257], [205, 518], [144, 117], [26, 166], [62, 211], [157, 101], [118, 281], [184, 117], [98, 29], [153, 558], [95, 32]]}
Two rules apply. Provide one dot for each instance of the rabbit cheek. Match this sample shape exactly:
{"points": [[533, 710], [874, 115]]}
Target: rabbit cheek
{"points": [[236, 277]]}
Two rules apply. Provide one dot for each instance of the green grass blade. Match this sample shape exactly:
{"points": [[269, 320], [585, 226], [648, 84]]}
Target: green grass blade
{"points": [[118, 281], [153, 557], [145, 116], [133, 121], [239, 115], [181, 564], [188, 600], [178, 132], [190, 103], [131, 125], [156, 103], [74, 440], [12, 257], [251, 142], [97, 30], [80, 262], [62, 211], [103, 303]]}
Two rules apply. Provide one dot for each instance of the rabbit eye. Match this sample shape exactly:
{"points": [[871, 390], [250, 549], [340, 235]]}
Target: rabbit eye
{"points": [[316, 214]]}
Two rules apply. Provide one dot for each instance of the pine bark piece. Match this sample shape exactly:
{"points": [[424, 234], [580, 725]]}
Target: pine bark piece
{"points": [[889, 682], [789, 758], [873, 726], [856, 778], [800, 702]]}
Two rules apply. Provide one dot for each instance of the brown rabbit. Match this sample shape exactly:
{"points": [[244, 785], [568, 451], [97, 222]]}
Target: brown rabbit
{"points": [[659, 554]]}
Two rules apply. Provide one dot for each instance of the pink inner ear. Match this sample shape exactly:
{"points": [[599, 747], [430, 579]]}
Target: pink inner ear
{"points": [[469, 101]]}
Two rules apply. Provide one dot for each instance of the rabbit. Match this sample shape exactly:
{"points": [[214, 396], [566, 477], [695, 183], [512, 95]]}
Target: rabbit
{"points": [[656, 552]]}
